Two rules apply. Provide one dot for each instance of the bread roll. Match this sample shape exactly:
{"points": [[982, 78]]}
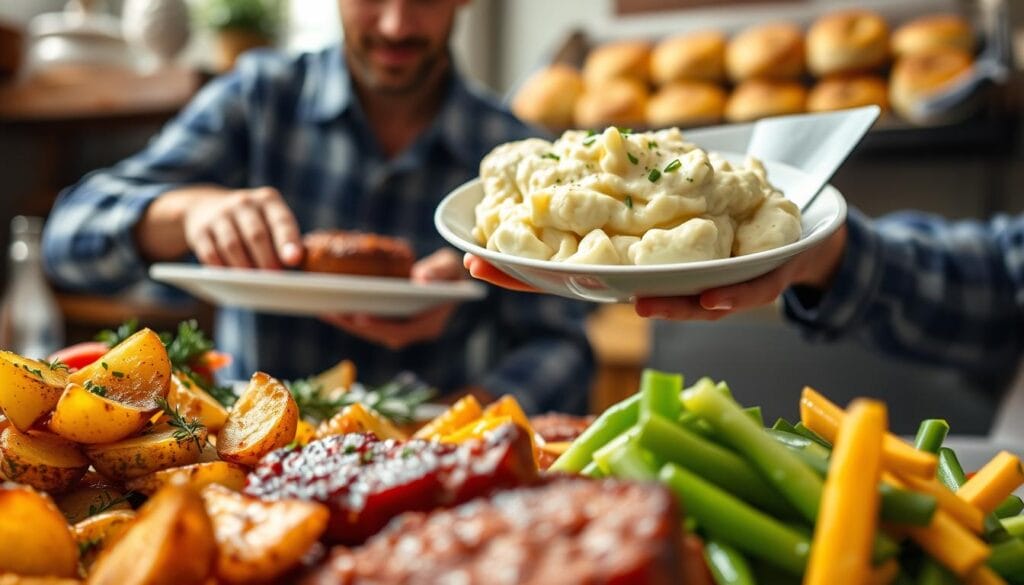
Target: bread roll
{"points": [[928, 33], [549, 97], [768, 51], [617, 102], [850, 41], [759, 98], [686, 103], [840, 93], [699, 56], [623, 59], [918, 77]]}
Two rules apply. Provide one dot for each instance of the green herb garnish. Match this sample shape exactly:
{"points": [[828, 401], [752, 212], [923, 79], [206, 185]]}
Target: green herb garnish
{"points": [[624, 131], [629, 201], [117, 374], [673, 166], [106, 502], [397, 400], [632, 158], [123, 331], [57, 365], [95, 388], [104, 365], [550, 155], [187, 428], [654, 175], [35, 371], [651, 145], [589, 141]]}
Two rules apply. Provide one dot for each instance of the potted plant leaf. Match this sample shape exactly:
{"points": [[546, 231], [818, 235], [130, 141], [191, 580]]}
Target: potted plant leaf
{"points": [[240, 25]]}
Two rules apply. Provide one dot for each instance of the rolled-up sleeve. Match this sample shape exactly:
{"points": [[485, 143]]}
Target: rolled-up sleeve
{"points": [[549, 363], [89, 242], [922, 287]]}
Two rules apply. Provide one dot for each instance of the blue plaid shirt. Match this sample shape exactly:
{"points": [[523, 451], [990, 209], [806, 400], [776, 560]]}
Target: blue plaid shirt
{"points": [[296, 124], [919, 286]]}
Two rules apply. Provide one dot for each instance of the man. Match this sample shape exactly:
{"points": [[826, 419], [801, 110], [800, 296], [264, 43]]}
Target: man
{"points": [[368, 137]]}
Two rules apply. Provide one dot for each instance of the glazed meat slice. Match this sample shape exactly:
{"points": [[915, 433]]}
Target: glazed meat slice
{"points": [[366, 482], [568, 531], [557, 428]]}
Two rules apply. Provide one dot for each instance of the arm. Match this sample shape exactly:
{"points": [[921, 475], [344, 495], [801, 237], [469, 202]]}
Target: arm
{"points": [[90, 238], [547, 361], [921, 287]]}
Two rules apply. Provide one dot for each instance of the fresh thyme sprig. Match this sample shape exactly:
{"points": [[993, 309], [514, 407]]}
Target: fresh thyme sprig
{"points": [[187, 428], [107, 502], [114, 336], [397, 400], [57, 365]]}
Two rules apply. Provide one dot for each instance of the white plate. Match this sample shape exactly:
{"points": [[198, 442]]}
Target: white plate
{"points": [[301, 293], [455, 218]]}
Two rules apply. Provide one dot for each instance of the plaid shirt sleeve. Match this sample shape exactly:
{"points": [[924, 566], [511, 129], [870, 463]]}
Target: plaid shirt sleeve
{"points": [[88, 242], [550, 363], [921, 287]]}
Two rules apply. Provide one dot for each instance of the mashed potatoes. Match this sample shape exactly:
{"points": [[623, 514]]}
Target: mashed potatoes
{"points": [[627, 198]]}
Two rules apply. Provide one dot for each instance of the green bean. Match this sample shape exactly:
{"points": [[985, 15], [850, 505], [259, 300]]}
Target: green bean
{"points": [[1011, 506], [901, 506], [931, 434], [806, 432], [932, 573], [782, 424], [724, 389], [609, 425], [794, 480], [602, 455], [730, 520], [692, 422], [767, 574], [659, 393], [1007, 558], [754, 412], [1014, 526], [728, 567], [811, 453], [630, 461], [949, 471], [592, 470], [713, 462]]}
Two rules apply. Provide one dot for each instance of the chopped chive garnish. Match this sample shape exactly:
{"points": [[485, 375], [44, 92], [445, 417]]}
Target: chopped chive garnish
{"points": [[654, 175], [624, 131], [591, 133], [651, 145], [632, 158], [550, 155], [689, 179], [104, 364], [673, 166], [117, 374], [589, 141], [629, 201]]}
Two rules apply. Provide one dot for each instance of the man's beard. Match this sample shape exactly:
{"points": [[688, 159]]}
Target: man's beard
{"points": [[368, 74]]}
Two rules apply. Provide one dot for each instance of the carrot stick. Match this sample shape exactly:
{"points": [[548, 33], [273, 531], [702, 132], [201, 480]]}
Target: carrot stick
{"points": [[848, 517], [949, 543], [823, 417], [961, 510], [458, 415], [993, 482], [984, 576]]}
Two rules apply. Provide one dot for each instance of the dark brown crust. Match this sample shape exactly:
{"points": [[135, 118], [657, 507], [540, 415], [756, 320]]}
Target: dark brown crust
{"points": [[570, 531], [344, 252]]}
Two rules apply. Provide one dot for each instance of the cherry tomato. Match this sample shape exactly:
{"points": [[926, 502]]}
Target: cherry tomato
{"points": [[79, 355]]}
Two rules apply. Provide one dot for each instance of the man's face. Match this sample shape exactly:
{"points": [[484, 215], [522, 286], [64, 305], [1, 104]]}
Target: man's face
{"points": [[394, 45]]}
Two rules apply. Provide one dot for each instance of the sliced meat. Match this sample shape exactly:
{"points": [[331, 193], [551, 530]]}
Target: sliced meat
{"points": [[568, 531], [556, 428], [366, 482]]}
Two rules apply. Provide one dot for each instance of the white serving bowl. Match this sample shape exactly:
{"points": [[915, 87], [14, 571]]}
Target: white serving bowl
{"points": [[455, 218]]}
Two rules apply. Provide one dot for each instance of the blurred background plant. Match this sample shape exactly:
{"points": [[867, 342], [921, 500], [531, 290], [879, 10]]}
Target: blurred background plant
{"points": [[240, 25]]}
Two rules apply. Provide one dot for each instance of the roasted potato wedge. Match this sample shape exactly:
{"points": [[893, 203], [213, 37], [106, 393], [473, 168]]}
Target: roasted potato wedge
{"points": [[260, 540], [20, 580], [37, 540], [264, 418], [356, 418], [28, 389], [97, 533], [305, 433], [136, 371], [171, 542], [161, 448], [85, 417], [197, 475], [41, 460], [93, 492], [194, 402]]}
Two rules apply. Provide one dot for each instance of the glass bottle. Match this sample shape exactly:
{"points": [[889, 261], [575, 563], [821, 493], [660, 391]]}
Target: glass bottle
{"points": [[31, 323]]}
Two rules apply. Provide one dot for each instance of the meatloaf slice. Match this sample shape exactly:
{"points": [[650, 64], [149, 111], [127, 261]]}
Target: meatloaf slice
{"points": [[567, 531]]}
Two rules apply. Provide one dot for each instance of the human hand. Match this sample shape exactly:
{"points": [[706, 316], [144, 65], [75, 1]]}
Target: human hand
{"points": [[245, 228], [398, 333], [483, 270], [815, 267]]}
